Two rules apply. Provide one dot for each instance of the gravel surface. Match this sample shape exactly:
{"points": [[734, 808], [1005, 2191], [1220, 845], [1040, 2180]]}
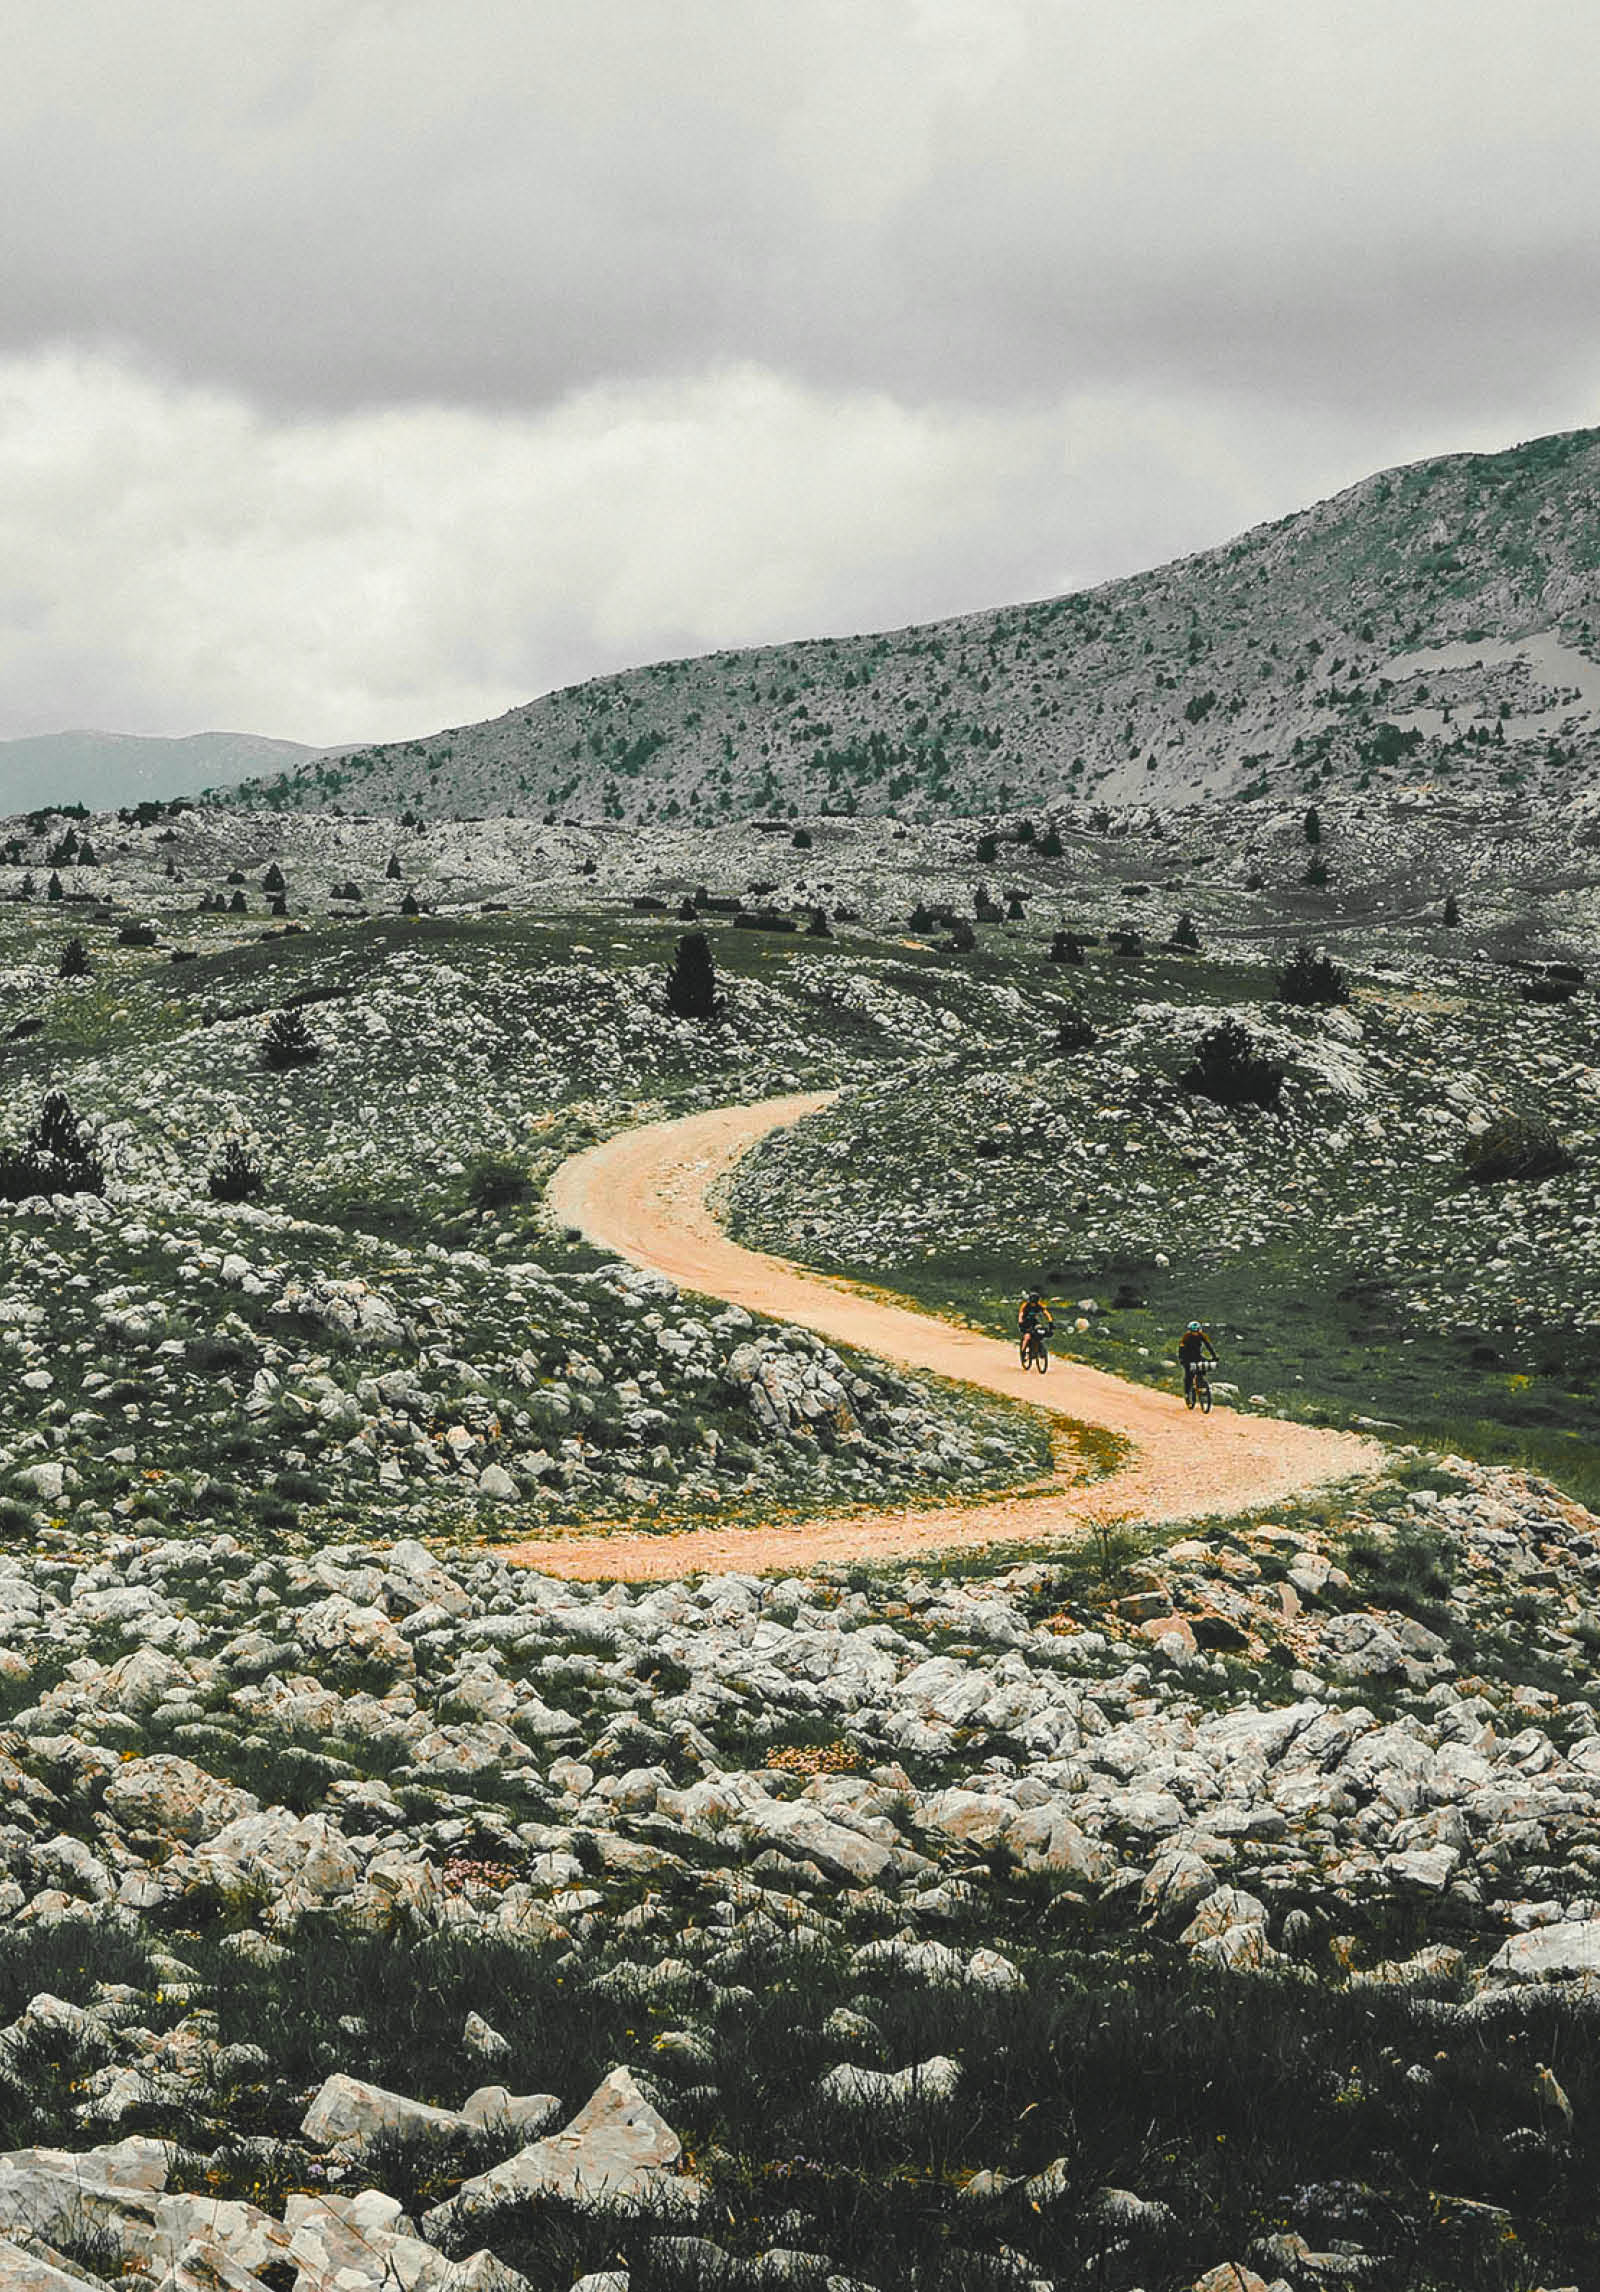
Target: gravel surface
{"points": [[645, 1194]]}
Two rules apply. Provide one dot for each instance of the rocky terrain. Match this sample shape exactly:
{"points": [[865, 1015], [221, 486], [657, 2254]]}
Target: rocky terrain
{"points": [[1434, 625], [1213, 1909], [563, 1853]]}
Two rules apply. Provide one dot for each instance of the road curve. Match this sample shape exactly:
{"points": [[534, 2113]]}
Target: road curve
{"points": [[644, 1195]]}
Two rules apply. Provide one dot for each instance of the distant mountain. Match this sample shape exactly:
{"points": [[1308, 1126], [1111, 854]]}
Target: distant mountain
{"points": [[102, 769], [1435, 623]]}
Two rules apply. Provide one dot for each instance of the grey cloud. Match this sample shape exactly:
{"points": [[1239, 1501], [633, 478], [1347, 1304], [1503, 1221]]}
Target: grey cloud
{"points": [[343, 204]]}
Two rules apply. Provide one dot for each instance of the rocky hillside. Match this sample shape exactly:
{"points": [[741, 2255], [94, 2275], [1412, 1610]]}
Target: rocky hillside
{"points": [[1438, 624]]}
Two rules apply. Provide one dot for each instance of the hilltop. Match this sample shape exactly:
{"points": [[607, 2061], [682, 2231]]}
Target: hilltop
{"points": [[1436, 624]]}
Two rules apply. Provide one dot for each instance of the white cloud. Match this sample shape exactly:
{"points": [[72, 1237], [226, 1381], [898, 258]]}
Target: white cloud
{"points": [[179, 560], [370, 364]]}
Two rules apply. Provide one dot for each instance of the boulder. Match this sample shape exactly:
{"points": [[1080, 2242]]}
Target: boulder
{"points": [[1550, 1953], [348, 2113], [173, 1798], [616, 2150]]}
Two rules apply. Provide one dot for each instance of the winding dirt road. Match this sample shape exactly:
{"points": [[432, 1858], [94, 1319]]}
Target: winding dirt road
{"points": [[643, 1194]]}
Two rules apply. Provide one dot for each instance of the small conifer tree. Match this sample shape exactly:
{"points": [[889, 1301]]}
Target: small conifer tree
{"points": [[54, 1158], [74, 963], [1311, 980], [1228, 1069], [1076, 1031], [53, 890], [1185, 938], [1452, 912], [1049, 844], [235, 1176], [392, 871], [1312, 826], [1066, 947], [288, 1042], [273, 880], [692, 980]]}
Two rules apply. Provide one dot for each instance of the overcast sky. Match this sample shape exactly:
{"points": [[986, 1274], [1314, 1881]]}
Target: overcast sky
{"points": [[368, 366]]}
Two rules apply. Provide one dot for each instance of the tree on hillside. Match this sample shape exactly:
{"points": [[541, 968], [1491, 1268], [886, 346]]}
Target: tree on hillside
{"points": [[1185, 938], [54, 1158], [288, 1042], [1075, 1031], [74, 963], [1228, 1069], [1066, 947], [1313, 826], [1312, 979], [692, 980]]}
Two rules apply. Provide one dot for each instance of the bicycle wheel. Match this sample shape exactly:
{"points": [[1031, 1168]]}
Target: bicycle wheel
{"points": [[1188, 1392], [1041, 1355], [1026, 1350], [1205, 1396]]}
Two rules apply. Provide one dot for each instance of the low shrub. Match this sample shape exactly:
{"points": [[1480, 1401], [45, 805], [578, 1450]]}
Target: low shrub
{"points": [[1515, 1146], [497, 1182], [235, 1176], [54, 1158], [288, 1042], [1076, 1032], [1228, 1069], [1312, 980]]}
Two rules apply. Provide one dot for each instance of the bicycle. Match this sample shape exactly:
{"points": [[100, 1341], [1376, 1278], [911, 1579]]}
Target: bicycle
{"points": [[1197, 1388], [1035, 1350]]}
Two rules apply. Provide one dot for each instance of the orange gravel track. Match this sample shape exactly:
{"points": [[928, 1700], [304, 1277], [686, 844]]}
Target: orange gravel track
{"points": [[643, 1194]]}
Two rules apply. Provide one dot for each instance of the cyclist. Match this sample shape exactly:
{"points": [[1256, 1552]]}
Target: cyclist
{"points": [[1193, 1346], [1033, 1314]]}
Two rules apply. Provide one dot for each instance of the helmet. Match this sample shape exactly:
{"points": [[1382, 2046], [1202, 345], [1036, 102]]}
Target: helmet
{"points": [[1034, 1296], [1194, 1329]]}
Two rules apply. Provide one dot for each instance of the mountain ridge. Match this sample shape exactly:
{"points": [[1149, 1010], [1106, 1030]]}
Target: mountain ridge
{"points": [[105, 769], [1395, 632]]}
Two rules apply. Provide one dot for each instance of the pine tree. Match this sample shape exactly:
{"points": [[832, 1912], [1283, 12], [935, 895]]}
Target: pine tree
{"points": [[1185, 938], [1229, 1070], [53, 890], [236, 1176], [692, 980], [392, 871], [1066, 947], [74, 963], [54, 1158], [1313, 826], [273, 880], [1310, 980], [288, 1042]]}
